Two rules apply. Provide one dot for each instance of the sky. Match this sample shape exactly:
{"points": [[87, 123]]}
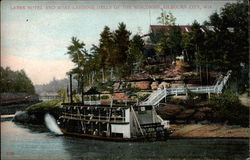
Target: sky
{"points": [[35, 34]]}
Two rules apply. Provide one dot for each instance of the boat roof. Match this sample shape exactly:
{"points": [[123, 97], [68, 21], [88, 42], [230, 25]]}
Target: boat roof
{"points": [[93, 106]]}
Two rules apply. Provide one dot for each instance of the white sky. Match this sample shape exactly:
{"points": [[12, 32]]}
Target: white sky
{"points": [[35, 34]]}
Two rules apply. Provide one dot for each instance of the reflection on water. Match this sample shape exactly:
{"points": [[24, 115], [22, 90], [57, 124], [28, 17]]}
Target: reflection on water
{"points": [[36, 142]]}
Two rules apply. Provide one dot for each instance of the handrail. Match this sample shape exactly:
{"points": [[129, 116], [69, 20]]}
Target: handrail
{"points": [[158, 95], [137, 121]]}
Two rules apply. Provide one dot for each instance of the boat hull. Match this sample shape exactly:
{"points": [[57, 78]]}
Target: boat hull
{"points": [[88, 136]]}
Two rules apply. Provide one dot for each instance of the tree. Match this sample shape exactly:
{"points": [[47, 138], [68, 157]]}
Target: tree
{"points": [[166, 19], [171, 43], [231, 34], [106, 47], [77, 53], [92, 65], [106, 50], [135, 53], [229, 43], [121, 40], [15, 81], [197, 39], [62, 93], [227, 107]]}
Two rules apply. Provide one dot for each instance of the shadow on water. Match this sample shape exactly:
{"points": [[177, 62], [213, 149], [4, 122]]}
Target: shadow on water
{"points": [[172, 149], [33, 128], [36, 142]]}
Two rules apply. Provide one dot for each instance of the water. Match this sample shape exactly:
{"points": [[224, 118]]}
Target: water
{"points": [[51, 124], [30, 142]]}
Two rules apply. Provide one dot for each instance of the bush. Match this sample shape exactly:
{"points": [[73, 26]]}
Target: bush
{"points": [[227, 108], [177, 101], [152, 69], [104, 86], [104, 97], [40, 109], [143, 97]]}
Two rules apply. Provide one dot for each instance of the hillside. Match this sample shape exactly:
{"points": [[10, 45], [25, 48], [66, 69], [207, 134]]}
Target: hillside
{"points": [[54, 86]]}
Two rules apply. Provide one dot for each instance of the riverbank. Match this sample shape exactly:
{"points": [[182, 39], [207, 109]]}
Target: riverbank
{"points": [[34, 114], [209, 131]]}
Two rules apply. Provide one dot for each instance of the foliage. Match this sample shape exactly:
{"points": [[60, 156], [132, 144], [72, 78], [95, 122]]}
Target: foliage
{"points": [[121, 39], [62, 93], [170, 43], [176, 101], [219, 44], [151, 69], [43, 106], [135, 52], [106, 49], [192, 95], [193, 44], [143, 97], [166, 19], [230, 39], [40, 109], [77, 54], [104, 86], [132, 90], [104, 97], [55, 85], [15, 81], [227, 107]]}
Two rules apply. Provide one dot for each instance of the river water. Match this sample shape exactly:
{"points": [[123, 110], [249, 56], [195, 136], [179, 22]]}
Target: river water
{"points": [[31, 142]]}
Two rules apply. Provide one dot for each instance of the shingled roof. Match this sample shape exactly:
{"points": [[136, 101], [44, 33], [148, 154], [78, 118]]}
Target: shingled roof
{"points": [[184, 28], [164, 28]]}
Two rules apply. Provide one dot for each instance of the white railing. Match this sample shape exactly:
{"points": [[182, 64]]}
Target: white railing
{"points": [[165, 123], [92, 102], [156, 97], [159, 94]]}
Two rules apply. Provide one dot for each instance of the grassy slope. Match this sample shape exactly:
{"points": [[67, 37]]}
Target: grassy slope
{"points": [[40, 109]]}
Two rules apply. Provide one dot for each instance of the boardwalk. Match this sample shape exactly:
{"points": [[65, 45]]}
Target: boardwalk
{"points": [[160, 94]]}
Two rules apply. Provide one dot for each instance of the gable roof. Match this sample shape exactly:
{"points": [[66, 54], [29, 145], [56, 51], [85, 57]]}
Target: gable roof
{"points": [[164, 28]]}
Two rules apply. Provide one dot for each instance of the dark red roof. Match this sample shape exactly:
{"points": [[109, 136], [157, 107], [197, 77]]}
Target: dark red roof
{"points": [[164, 28]]}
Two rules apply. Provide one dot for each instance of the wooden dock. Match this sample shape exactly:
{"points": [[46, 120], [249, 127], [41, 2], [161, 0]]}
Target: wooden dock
{"points": [[7, 117]]}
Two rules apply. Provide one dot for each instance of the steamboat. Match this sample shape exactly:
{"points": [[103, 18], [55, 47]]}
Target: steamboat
{"points": [[91, 119]]}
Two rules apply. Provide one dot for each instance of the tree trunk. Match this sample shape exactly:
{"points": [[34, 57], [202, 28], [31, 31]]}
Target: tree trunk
{"points": [[207, 73], [103, 76], [111, 74], [200, 75], [92, 77]]}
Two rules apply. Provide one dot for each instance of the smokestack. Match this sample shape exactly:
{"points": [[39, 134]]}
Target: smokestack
{"points": [[82, 91], [70, 88]]}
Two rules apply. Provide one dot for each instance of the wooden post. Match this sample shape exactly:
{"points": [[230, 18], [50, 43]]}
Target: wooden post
{"points": [[70, 87]]}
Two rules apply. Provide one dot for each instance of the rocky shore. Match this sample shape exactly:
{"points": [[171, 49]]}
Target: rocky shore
{"points": [[185, 122], [180, 114], [34, 114]]}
